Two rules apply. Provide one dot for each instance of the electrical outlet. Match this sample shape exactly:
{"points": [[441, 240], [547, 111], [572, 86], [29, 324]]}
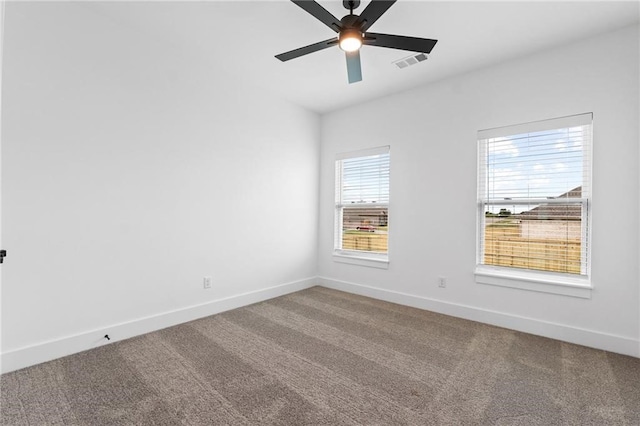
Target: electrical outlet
{"points": [[207, 282], [442, 282]]}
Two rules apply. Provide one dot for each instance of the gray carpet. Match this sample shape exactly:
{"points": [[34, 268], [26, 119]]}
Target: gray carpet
{"points": [[323, 357]]}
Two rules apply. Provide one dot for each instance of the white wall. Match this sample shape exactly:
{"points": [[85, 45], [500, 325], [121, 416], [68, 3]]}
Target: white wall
{"points": [[432, 134], [2, 7], [132, 169]]}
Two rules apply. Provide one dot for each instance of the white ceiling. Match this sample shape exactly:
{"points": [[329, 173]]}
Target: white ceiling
{"points": [[244, 36]]}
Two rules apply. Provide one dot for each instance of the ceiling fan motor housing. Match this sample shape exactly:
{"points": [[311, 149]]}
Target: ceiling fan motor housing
{"points": [[350, 22]]}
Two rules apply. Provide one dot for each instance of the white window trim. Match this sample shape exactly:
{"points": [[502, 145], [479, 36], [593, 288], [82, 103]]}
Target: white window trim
{"points": [[543, 282], [525, 279], [356, 257]]}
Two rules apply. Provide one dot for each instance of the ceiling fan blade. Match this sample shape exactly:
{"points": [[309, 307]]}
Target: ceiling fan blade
{"points": [[320, 13], [413, 44], [373, 11], [292, 54], [354, 71]]}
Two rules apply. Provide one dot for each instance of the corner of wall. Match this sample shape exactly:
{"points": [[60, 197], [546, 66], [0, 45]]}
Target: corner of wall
{"points": [[47, 351]]}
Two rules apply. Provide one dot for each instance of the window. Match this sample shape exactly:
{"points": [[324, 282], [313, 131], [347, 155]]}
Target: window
{"points": [[362, 207], [534, 193]]}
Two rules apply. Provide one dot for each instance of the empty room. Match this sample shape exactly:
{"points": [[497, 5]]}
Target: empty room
{"points": [[320, 212]]}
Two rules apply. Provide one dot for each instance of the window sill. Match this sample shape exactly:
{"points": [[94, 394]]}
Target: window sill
{"points": [[561, 284], [380, 262]]}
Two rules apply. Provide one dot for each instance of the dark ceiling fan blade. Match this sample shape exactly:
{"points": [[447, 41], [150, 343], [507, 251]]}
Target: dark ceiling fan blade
{"points": [[354, 71], [413, 44], [373, 11], [307, 49], [320, 13]]}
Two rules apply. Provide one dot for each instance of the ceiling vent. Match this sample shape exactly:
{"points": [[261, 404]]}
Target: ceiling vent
{"points": [[411, 60]]}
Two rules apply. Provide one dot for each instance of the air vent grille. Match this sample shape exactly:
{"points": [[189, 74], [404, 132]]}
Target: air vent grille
{"points": [[411, 60]]}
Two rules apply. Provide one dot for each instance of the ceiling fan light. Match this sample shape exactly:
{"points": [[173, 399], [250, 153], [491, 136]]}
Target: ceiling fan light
{"points": [[350, 40]]}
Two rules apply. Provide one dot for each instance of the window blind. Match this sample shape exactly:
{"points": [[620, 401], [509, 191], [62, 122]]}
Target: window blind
{"points": [[534, 184], [362, 199], [364, 179]]}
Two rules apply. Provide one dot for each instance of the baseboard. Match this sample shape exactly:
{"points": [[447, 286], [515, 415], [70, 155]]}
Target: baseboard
{"points": [[47, 351], [590, 338]]}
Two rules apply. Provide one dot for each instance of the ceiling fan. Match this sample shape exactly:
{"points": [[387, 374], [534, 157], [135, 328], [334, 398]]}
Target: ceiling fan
{"points": [[352, 34]]}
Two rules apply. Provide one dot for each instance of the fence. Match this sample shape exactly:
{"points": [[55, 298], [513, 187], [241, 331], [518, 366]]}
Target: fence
{"points": [[364, 241], [505, 247]]}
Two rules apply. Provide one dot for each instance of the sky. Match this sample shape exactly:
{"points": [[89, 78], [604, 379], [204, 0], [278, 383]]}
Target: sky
{"points": [[366, 179], [542, 164]]}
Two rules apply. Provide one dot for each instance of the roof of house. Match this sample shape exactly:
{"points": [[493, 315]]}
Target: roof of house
{"points": [[557, 211]]}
